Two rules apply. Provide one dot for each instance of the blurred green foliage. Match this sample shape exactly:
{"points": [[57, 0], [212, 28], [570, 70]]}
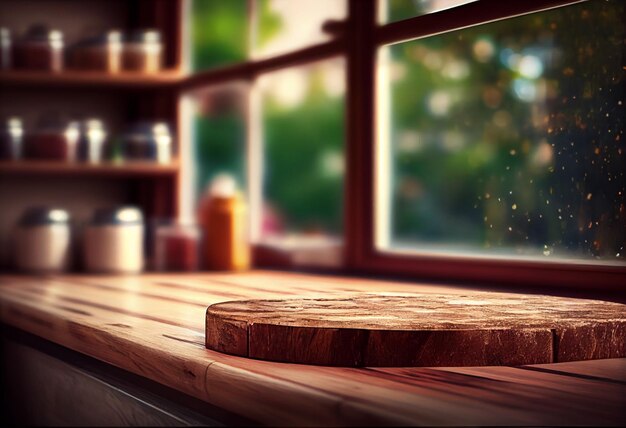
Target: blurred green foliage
{"points": [[297, 141], [269, 23], [219, 31], [507, 136], [220, 147]]}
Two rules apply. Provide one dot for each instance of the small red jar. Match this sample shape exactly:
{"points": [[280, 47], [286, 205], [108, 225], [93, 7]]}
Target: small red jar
{"points": [[102, 53], [53, 140], [40, 49], [177, 248]]}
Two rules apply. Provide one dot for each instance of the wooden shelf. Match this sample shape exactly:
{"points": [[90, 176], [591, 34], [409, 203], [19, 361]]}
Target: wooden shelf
{"points": [[57, 168], [89, 78]]}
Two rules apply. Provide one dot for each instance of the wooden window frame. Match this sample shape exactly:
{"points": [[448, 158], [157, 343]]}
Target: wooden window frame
{"points": [[358, 40]]}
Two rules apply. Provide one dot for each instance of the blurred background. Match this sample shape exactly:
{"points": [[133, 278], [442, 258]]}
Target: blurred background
{"points": [[503, 139]]}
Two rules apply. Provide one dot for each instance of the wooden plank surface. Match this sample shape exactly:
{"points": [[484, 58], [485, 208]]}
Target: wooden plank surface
{"points": [[153, 326], [414, 329], [612, 370]]}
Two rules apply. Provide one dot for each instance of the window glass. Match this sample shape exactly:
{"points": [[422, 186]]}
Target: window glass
{"points": [[302, 124], [507, 138], [286, 25], [397, 10], [219, 31], [219, 134]]}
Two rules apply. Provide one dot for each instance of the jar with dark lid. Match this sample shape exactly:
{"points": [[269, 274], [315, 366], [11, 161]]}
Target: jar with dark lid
{"points": [[40, 49], [5, 48], [114, 241], [91, 143], [150, 141], [53, 139], [43, 240], [11, 138], [101, 53], [143, 51]]}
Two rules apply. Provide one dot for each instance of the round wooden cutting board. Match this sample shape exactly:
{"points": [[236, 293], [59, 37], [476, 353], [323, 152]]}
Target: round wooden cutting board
{"points": [[392, 330]]}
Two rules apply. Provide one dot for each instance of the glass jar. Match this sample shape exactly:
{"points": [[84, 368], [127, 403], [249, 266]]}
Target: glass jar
{"points": [[11, 136], [43, 240], [53, 140], [151, 141], [101, 53], [114, 241], [5, 48], [177, 248], [224, 219], [143, 52], [40, 49], [91, 143]]}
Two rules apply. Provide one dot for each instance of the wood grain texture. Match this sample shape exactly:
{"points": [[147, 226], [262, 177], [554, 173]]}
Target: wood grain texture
{"points": [[397, 330], [154, 326], [612, 370]]}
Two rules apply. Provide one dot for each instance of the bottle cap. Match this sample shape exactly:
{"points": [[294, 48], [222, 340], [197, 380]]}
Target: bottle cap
{"points": [[223, 186]]}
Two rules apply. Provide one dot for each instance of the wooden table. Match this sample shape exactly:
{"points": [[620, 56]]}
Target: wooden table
{"points": [[153, 326]]}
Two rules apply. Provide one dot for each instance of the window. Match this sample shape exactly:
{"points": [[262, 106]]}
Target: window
{"points": [[285, 25], [441, 139], [218, 33], [504, 139], [279, 130], [219, 131], [303, 165]]}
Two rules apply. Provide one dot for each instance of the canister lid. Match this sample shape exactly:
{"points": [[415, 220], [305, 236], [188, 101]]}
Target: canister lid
{"points": [[11, 123], [122, 215], [149, 132], [52, 122], [38, 216], [111, 36], [41, 33], [92, 123], [148, 35], [105, 38]]}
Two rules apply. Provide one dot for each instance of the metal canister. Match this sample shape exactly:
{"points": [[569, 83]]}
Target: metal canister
{"points": [[43, 240], [114, 241]]}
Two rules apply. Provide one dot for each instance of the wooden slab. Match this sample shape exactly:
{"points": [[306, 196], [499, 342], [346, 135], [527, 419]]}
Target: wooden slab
{"points": [[435, 330]]}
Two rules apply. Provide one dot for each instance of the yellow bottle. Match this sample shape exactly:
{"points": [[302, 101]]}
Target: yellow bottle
{"points": [[223, 216]]}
